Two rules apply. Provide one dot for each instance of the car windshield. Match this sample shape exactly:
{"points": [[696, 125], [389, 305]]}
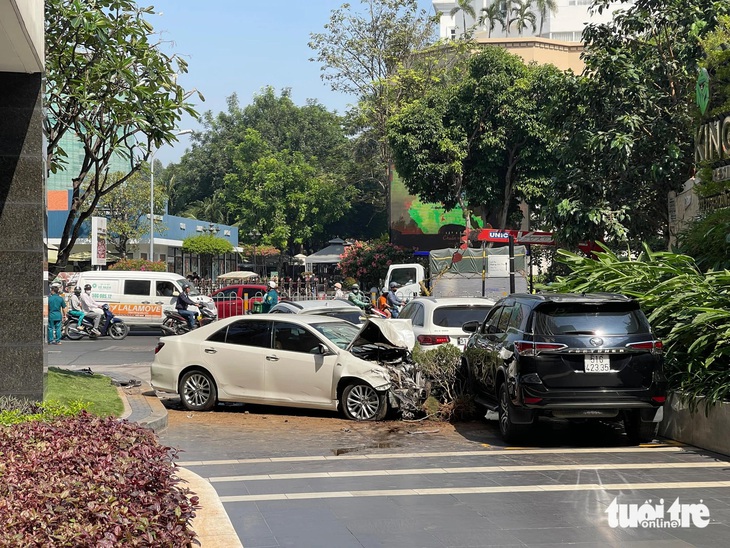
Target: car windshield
{"points": [[589, 319], [340, 333], [193, 290], [456, 316]]}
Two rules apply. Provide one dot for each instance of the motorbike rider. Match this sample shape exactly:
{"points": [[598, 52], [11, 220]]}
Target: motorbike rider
{"points": [[182, 303], [91, 308], [339, 294], [394, 302], [383, 305], [271, 298], [75, 308], [358, 298]]}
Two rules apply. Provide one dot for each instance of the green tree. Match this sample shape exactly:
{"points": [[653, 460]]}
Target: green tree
{"points": [[110, 86], [359, 51], [281, 193], [544, 8], [465, 7], [522, 15], [483, 142], [493, 14], [127, 209], [629, 122]]}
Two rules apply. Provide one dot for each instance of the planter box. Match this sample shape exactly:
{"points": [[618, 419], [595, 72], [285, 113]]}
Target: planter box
{"points": [[711, 431]]}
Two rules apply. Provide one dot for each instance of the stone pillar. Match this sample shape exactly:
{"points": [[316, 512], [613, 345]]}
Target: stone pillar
{"points": [[22, 250]]}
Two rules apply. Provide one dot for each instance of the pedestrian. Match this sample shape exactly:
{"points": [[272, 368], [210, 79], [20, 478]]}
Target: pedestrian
{"points": [[182, 303], [56, 304], [75, 308], [271, 298], [339, 294], [92, 309]]}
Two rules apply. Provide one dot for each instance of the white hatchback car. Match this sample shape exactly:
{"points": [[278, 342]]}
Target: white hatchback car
{"points": [[292, 360], [438, 321]]}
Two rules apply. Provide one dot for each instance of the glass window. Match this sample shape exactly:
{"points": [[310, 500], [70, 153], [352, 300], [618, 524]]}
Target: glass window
{"points": [[354, 316], [340, 333], [504, 319], [165, 289], [518, 314], [456, 316], [414, 312], [295, 338], [590, 319], [403, 276], [137, 287], [246, 333]]}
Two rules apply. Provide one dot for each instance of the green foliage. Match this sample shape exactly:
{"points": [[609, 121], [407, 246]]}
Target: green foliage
{"points": [[629, 122], [483, 141], [206, 244], [706, 240], [108, 84], [716, 47], [139, 265], [688, 310], [97, 391], [368, 262], [14, 411]]}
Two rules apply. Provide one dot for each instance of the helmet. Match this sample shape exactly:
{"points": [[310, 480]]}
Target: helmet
{"points": [[186, 286], [355, 286], [77, 289], [272, 284], [394, 285], [87, 287], [338, 285]]}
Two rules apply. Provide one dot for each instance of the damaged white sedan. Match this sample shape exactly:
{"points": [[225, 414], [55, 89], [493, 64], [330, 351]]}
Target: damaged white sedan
{"points": [[304, 361]]}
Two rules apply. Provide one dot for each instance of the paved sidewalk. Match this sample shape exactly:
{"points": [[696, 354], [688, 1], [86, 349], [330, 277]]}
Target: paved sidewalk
{"points": [[141, 405]]}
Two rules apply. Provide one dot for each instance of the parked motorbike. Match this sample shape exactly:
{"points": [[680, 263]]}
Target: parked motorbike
{"points": [[176, 324], [109, 325]]}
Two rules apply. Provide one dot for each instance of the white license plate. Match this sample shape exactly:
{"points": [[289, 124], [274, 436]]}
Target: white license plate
{"points": [[462, 341], [597, 363]]}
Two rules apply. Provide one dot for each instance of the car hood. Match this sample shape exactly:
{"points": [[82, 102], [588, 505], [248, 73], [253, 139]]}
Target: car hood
{"points": [[384, 333]]}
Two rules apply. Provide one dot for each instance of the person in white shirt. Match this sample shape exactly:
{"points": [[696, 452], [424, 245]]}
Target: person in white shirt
{"points": [[91, 308], [339, 294]]}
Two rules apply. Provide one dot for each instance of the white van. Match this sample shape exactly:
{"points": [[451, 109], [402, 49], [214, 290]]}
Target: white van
{"points": [[139, 298]]}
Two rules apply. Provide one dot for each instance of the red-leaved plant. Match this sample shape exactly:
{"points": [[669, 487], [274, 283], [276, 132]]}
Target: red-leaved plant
{"points": [[86, 481]]}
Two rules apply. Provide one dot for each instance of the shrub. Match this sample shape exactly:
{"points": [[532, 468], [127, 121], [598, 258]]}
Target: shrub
{"points": [[140, 265], [87, 481], [705, 240], [442, 369], [206, 244], [688, 310], [15, 411]]}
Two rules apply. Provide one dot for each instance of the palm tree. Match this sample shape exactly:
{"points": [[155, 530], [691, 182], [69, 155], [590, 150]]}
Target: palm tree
{"points": [[463, 6], [544, 7], [494, 15], [522, 15]]}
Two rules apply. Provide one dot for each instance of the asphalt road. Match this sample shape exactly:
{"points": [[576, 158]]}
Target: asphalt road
{"points": [[310, 479]]}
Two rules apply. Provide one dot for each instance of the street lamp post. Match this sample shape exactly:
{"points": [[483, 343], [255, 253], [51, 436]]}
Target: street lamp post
{"points": [[254, 236], [152, 196]]}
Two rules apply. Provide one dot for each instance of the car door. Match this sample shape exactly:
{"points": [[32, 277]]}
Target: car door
{"points": [[235, 354], [296, 371]]}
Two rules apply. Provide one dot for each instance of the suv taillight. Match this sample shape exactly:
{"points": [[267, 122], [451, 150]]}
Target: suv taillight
{"points": [[528, 348], [655, 347], [430, 340], [159, 346]]}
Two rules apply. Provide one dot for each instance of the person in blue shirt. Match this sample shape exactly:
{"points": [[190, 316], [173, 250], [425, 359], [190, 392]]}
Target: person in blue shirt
{"points": [[183, 301], [56, 304], [271, 298]]}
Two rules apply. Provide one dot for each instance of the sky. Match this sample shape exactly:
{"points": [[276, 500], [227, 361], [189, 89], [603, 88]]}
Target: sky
{"points": [[242, 46]]}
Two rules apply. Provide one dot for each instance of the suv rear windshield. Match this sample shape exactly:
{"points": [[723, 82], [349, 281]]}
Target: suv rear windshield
{"points": [[590, 319], [456, 316]]}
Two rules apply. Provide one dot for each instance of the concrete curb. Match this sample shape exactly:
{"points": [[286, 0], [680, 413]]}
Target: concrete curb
{"points": [[211, 522]]}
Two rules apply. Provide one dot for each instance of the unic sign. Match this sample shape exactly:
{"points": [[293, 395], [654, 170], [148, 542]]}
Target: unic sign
{"points": [[712, 144]]}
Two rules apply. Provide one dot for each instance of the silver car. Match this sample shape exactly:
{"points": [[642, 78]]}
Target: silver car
{"points": [[336, 308], [272, 359]]}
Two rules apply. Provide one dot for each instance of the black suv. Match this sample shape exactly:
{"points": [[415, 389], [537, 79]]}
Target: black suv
{"points": [[587, 356]]}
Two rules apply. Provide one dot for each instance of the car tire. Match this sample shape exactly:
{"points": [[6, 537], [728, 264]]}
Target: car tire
{"points": [[509, 431], [198, 391], [361, 402], [637, 430], [118, 331]]}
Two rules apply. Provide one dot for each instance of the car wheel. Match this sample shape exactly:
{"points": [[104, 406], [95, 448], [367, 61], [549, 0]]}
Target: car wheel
{"points": [[361, 402], [118, 331], [197, 391], [637, 430], [509, 431]]}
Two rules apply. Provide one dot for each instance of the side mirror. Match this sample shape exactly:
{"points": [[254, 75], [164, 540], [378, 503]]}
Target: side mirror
{"points": [[471, 326], [176, 293], [323, 349]]}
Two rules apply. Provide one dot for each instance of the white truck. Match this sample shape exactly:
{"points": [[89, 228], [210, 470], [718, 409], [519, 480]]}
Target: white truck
{"points": [[476, 273]]}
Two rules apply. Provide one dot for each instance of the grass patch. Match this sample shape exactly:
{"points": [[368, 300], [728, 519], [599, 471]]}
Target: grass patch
{"points": [[96, 391]]}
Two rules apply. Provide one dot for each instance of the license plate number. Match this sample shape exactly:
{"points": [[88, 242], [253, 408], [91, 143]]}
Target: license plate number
{"points": [[597, 363]]}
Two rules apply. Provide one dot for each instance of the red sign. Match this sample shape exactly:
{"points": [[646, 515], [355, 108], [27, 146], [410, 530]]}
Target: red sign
{"points": [[520, 236]]}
